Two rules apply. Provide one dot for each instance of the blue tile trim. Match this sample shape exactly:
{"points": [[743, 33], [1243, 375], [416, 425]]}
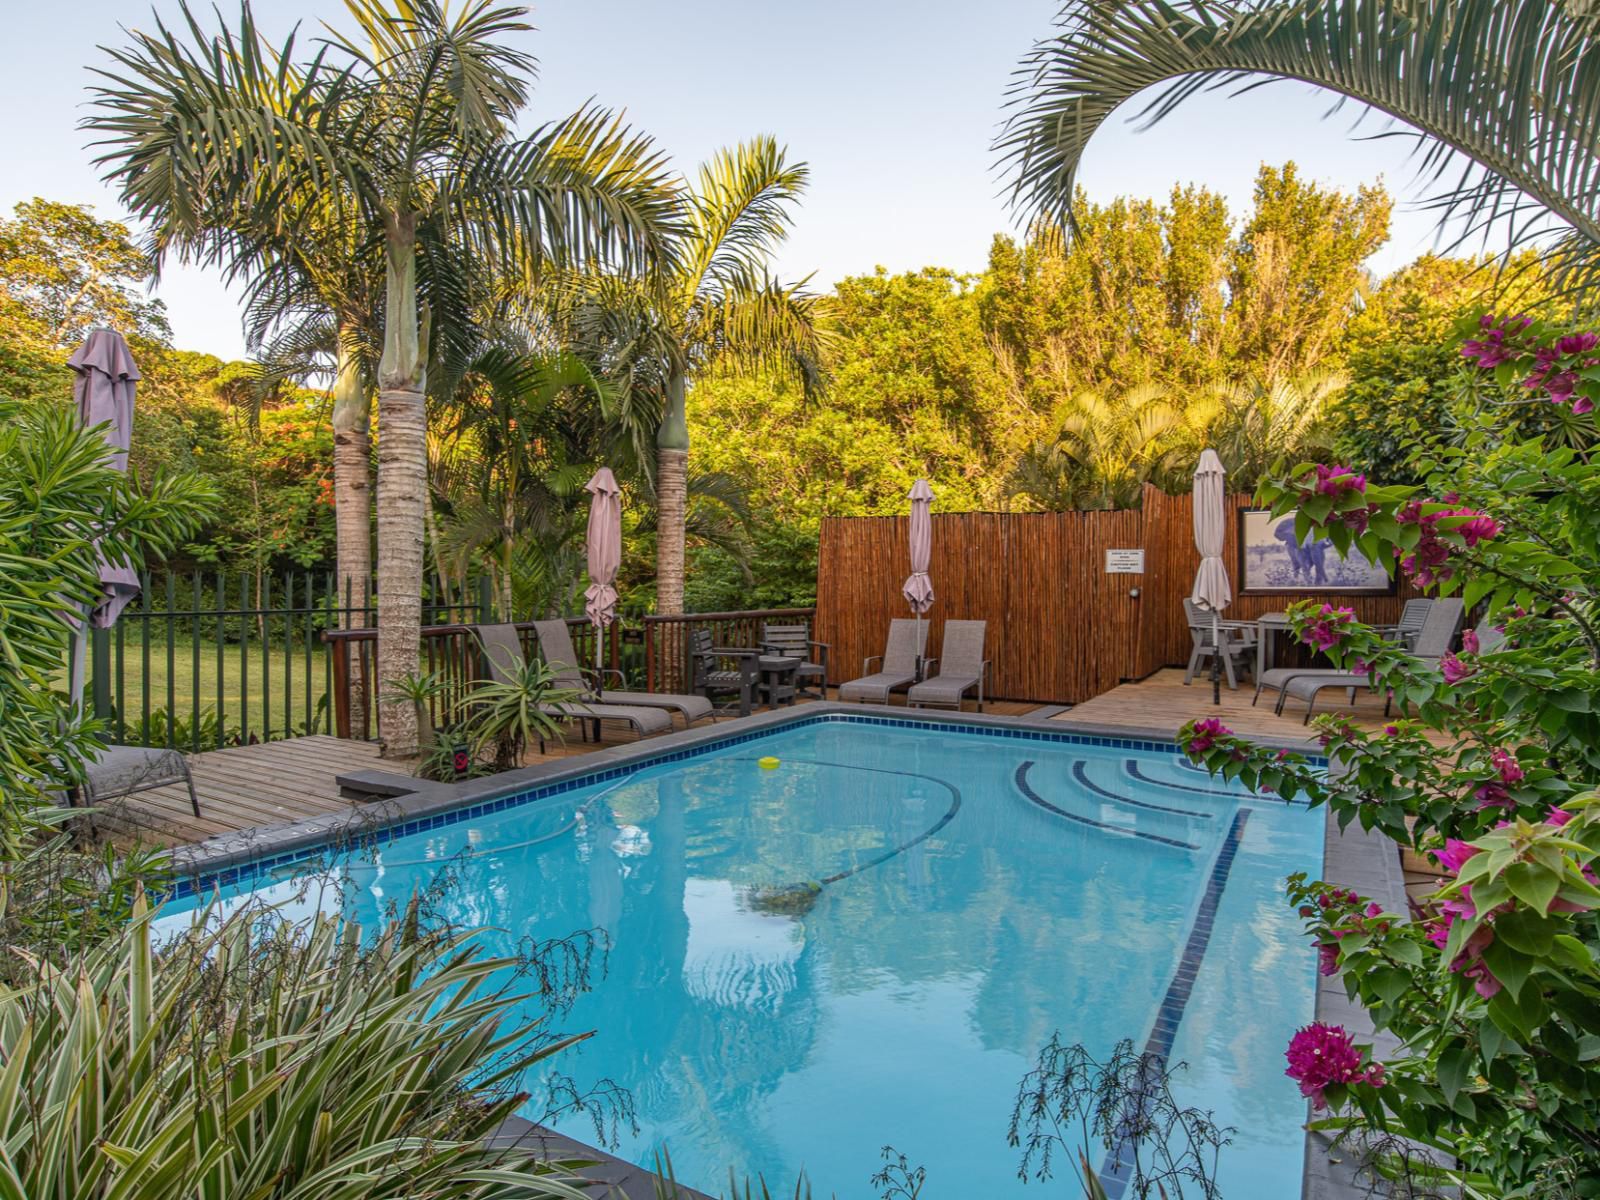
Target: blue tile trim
{"points": [[1021, 780], [257, 869], [1080, 772], [1131, 767], [1116, 1173]]}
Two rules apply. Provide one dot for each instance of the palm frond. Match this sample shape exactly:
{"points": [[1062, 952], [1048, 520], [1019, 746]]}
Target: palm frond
{"points": [[1503, 98]]}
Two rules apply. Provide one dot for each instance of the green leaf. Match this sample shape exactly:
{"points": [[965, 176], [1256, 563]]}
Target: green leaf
{"points": [[1510, 967], [1535, 886], [1455, 1070], [1526, 931]]}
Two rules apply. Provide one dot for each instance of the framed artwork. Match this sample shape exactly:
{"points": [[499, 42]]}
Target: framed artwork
{"points": [[1273, 563]]}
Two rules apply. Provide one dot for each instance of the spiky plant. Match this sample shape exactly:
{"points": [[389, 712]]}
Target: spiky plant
{"points": [[252, 1058]]}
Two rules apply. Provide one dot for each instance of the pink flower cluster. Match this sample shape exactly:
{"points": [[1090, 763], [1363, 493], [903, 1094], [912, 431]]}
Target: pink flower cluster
{"points": [[1556, 365], [1339, 482], [1499, 342], [1429, 562], [1321, 1056], [1494, 794], [1342, 913], [1206, 734], [1325, 632], [1468, 962]]}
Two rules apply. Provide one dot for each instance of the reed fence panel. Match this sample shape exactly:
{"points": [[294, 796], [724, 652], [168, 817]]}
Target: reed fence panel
{"points": [[1061, 628]]}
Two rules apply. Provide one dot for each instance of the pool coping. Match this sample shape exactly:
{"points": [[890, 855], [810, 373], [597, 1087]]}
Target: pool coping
{"points": [[281, 843], [1366, 862]]}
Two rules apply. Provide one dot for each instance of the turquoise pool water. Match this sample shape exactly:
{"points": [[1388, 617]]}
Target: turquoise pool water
{"points": [[1003, 890]]}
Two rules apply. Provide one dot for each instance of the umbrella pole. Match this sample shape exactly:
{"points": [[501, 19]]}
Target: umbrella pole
{"points": [[599, 654], [1216, 659]]}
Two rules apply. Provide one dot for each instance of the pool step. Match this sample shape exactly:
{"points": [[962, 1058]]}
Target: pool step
{"points": [[375, 785], [1046, 712]]}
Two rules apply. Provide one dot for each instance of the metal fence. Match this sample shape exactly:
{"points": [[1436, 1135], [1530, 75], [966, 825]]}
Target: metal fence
{"points": [[215, 659]]}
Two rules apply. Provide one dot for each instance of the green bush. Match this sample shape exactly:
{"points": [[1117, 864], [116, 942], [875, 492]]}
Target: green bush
{"points": [[253, 1058]]}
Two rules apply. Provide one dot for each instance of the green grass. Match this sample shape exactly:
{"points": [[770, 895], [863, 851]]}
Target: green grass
{"points": [[255, 688]]}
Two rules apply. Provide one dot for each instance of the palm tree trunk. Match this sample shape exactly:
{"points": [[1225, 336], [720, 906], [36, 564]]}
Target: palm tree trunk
{"points": [[352, 510], [402, 486], [672, 496], [352, 489]]}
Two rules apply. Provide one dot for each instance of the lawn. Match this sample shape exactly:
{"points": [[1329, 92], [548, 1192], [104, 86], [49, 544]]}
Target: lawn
{"points": [[249, 692]]}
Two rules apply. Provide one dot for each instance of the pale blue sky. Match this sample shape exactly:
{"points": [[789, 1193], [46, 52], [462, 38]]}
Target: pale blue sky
{"points": [[892, 102]]}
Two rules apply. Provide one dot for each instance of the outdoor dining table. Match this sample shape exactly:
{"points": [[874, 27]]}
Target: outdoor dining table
{"points": [[777, 678], [1268, 627]]}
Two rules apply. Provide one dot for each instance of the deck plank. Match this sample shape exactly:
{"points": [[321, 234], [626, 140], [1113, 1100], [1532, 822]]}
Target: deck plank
{"points": [[275, 783], [1163, 702]]}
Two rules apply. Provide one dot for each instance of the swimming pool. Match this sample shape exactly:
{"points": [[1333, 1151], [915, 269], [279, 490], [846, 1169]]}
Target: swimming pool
{"points": [[978, 893]]}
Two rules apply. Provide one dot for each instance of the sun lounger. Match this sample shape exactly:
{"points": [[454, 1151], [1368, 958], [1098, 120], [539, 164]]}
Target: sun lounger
{"points": [[117, 771], [555, 644], [962, 667], [1433, 641], [502, 652], [898, 664]]}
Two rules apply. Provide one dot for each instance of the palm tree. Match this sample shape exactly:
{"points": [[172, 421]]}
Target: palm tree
{"points": [[1257, 421], [718, 309], [404, 131], [1503, 95], [1106, 449]]}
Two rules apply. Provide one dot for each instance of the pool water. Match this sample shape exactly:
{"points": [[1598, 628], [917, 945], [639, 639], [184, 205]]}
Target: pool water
{"points": [[986, 893]]}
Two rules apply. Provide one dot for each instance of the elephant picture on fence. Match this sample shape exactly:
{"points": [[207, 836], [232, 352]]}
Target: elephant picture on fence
{"points": [[1272, 559]]}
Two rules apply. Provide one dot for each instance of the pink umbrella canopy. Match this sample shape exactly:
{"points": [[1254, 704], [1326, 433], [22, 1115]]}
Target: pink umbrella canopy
{"points": [[103, 390], [918, 589], [604, 547], [1211, 585]]}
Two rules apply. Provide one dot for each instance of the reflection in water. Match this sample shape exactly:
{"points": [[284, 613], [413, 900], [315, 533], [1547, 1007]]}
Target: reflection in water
{"points": [[906, 1005]]}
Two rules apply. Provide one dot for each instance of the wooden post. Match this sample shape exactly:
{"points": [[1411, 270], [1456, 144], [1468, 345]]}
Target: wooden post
{"points": [[341, 684]]}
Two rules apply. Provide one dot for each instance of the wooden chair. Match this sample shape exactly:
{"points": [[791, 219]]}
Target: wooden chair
{"points": [[724, 670], [795, 641]]}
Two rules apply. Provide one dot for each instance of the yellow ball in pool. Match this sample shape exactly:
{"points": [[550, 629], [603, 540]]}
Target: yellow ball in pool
{"points": [[768, 763]]}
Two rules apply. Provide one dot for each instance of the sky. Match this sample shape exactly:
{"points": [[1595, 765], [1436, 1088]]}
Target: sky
{"points": [[893, 104]]}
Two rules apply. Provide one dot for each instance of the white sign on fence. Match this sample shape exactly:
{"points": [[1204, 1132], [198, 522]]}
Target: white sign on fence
{"points": [[1124, 562]]}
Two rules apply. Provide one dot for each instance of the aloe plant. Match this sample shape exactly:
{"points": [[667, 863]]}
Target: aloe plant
{"points": [[255, 1059]]}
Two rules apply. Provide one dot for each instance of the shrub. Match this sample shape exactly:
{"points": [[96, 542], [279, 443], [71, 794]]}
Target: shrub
{"points": [[1494, 992], [250, 1057]]}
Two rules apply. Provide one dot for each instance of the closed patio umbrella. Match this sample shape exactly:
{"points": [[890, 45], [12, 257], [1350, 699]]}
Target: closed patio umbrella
{"points": [[604, 549], [1211, 585], [103, 390], [918, 589]]}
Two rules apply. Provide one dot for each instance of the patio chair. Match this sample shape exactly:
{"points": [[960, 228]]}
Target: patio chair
{"points": [[555, 644], [723, 670], [962, 667], [1437, 635], [1406, 629], [502, 654], [794, 641], [899, 664], [1238, 642], [118, 771]]}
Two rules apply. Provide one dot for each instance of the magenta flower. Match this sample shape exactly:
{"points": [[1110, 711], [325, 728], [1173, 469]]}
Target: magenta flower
{"points": [[1510, 769], [1454, 669], [1328, 958], [1321, 1056], [1558, 817], [1454, 855], [1206, 734], [1469, 642]]}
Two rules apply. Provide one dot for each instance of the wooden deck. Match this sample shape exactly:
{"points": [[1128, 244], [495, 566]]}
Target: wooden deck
{"points": [[241, 787], [276, 783], [1163, 702]]}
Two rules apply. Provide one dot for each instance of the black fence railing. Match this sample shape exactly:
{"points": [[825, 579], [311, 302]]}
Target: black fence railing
{"points": [[215, 659]]}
